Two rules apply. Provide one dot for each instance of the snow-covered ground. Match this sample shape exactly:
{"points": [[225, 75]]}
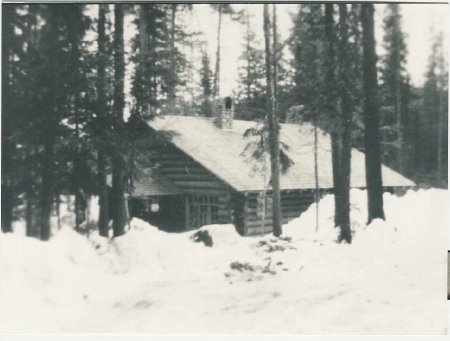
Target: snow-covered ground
{"points": [[391, 280]]}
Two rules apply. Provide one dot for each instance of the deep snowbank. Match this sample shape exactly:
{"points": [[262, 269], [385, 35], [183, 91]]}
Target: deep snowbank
{"points": [[392, 279]]}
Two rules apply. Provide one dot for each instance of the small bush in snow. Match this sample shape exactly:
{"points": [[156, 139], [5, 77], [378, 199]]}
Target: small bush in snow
{"points": [[204, 237]]}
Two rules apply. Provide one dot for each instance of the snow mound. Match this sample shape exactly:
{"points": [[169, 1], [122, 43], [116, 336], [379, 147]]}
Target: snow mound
{"points": [[391, 279]]}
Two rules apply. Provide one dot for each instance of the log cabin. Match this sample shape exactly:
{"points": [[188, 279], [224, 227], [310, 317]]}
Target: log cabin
{"points": [[206, 173]]}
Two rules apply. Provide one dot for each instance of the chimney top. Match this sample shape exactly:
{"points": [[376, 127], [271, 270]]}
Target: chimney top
{"points": [[224, 113]]}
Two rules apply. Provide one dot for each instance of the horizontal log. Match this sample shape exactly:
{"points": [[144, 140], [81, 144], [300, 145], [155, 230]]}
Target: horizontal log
{"points": [[184, 170], [295, 207], [199, 184], [252, 231], [192, 177], [177, 162], [284, 208], [253, 201], [205, 191]]}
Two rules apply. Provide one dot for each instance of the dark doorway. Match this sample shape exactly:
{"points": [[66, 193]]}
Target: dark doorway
{"points": [[165, 212]]}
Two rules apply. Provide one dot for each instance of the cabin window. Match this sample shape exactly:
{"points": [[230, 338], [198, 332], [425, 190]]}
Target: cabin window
{"points": [[152, 205], [203, 210], [263, 207]]}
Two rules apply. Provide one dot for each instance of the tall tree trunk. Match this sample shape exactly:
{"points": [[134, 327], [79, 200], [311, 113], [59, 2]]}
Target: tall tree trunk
{"points": [[48, 177], [7, 144], [173, 72], [374, 180], [275, 58], [441, 109], [332, 111], [76, 168], [58, 210], [7, 208], [118, 190], [248, 84], [217, 71], [273, 129], [29, 227], [143, 35], [103, 218], [346, 124], [316, 175], [398, 113]]}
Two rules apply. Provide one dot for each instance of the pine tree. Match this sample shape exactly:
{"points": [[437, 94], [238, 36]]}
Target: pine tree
{"points": [[374, 180], [393, 81], [222, 9], [273, 128], [251, 103], [331, 109], [118, 181], [28, 98], [8, 128], [178, 39], [151, 55], [102, 58], [76, 24], [307, 45], [54, 62], [160, 61], [346, 88], [434, 115]]}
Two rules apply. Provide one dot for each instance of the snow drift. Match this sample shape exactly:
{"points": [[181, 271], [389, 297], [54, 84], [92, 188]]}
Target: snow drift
{"points": [[391, 280]]}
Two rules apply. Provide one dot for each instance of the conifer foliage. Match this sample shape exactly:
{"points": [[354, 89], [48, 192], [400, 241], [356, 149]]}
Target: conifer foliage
{"points": [[80, 81]]}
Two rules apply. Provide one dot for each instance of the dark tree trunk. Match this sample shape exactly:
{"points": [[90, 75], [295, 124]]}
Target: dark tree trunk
{"points": [[78, 195], [47, 181], [346, 124], [332, 111], [374, 181], [7, 120], [441, 113], [275, 58], [273, 129], [58, 210], [173, 72], [7, 208], [30, 231], [103, 218], [144, 54], [118, 191], [316, 176], [48, 176], [217, 71], [247, 39]]}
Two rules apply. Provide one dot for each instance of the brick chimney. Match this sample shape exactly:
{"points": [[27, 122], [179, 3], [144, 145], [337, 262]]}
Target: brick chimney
{"points": [[224, 113]]}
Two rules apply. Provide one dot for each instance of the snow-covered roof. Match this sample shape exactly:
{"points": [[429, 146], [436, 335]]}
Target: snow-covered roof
{"points": [[225, 153]]}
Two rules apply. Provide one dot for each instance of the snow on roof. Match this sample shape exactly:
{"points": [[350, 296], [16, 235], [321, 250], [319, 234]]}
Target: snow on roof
{"points": [[226, 154]]}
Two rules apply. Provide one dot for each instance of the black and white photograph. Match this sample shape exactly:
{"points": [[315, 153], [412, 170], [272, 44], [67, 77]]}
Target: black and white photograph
{"points": [[224, 168]]}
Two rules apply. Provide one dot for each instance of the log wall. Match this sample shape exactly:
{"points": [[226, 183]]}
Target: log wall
{"points": [[293, 203], [193, 179]]}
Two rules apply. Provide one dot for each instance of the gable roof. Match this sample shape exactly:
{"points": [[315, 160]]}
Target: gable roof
{"points": [[225, 153]]}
